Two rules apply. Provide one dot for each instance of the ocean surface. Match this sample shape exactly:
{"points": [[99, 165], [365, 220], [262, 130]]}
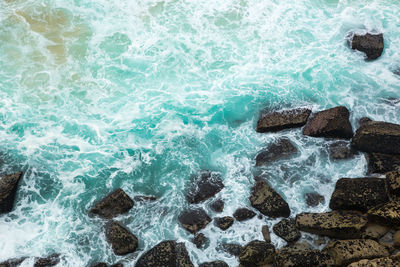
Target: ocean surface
{"points": [[96, 95]]}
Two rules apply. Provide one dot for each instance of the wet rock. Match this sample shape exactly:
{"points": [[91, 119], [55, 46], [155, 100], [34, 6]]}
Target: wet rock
{"points": [[313, 199], [335, 224], [396, 239], [257, 253], [51, 260], [144, 198], [214, 264], [117, 265], [121, 239], [393, 183], [99, 264], [358, 194], [265, 199], [8, 190], [392, 101], [282, 149], [217, 205], [331, 123], [280, 120], [387, 214], [12, 262], [345, 252], [375, 231], [378, 137], [205, 186], [194, 220], [232, 249], [363, 121], [114, 204], [371, 44], [341, 150], [289, 257], [380, 262], [223, 223], [382, 163], [243, 214], [287, 230], [182, 256], [200, 240], [266, 234], [299, 246]]}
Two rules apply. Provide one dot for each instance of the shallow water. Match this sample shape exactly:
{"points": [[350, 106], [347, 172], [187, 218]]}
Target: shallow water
{"points": [[143, 94]]}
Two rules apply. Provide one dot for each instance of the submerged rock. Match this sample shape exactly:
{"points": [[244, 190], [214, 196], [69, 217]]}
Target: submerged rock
{"points": [[287, 230], [313, 199], [290, 257], [282, 149], [144, 198], [194, 220], [206, 185], [214, 264], [121, 239], [388, 214], [382, 163], [331, 123], [114, 204], [8, 190], [12, 262], [217, 205], [223, 223], [257, 253], [371, 44], [200, 240], [182, 256], [243, 214], [393, 183], [341, 150], [51, 260], [280, 120]]}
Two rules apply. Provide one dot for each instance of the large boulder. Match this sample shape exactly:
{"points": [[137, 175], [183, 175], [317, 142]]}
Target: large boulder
{"points": [[393, 183], [8, 190], [121, 239], [345, 252], [358, 194], [335, 224], [287, 230], [265, 199], [114, 204], [281, 149], [341, 150], [382, 163], [378, 137], [205, 186], [387, 214], [371, 44], [223, 223], [280, 120], [292, 257], [51, 260], [214, 264], [194, 220], [182, 256], [257, 253], [331, 123], [243, 214], [379, 262]]}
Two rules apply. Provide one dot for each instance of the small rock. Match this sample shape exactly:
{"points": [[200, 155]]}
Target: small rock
{"points": [[217, 205], [375, 231], [8, 190], [388, 214], [280, 120], [257, 253], [289, 257], [223, 222], [121, 239], [331, 123], [396, 239], [341, 150], [144, 198], [206, 185], [51, 260], [214, 264], [287, 230], [243, 214], [393, 183], [194, 220], [266, 234], [382, 163], [371, 44], [282, 149], [313, 199], [114, 204], [200, 240], [232, 249]]}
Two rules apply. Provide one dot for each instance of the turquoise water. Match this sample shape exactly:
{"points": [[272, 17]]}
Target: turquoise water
{"points": [[143, 94]]}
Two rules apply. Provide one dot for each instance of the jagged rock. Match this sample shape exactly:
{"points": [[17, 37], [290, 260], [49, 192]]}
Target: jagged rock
{"points": [[194, 220], [387, 214], [282, 149], [335, 224], [217, 205], [99, 264], [200, 240], [51, 260], [341, 150], [313, 199], [382, 163], [287, 230], [280, 120], [375, 231], [114, 204], [345, 252], [371, 44], [144, 198], [121, 239], [214, 264], [257, 253], [243, 214], [223, 222], [289, 257], [380, 262], [266, 234], [12, 262], [205, 186], [265, 199], [393, 183], [331, 123], [364, 120], [232, 249], [358, 194], [378, 137], [8, 190]]}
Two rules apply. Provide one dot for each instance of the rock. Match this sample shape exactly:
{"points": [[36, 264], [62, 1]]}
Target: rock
{"points": [[341, 150], [392, 101], [345, 252], [265, 199], [117, 265], [194, 220], [12, 262], [371, 44], [144, 198], [182, 256], [393, 183], [388, 214], [232, 249], [396, 239], [223, 222], [375, 231], [363, 121], [380, 262], [257, 253], [205, 186], [378, 137], [358, 194], [280, 120], [289, 257], [99, 264], [287, 230], [8, 190], [214, 264], [266, 234], [313, 199], [382, 163], [335, 224], [217, 205], [121, 239], [299, 246], [51, 260], [114, 204], [331, 123], [243, 214], [200, 240], [282, 149]]}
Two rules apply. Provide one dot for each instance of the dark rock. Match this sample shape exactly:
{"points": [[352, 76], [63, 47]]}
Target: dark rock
{"points": [[282, 149], [358, 194], [117, 265], [392, 101], [393, 183], [243, 214], [214, 264], [200, 240], [99, 264], [217, 205], [313, 199], [223, 222], [206, 185], [371, 44], [388, 214], [121, 239], [363, 121], [12, 262], [8, 190], [287, 230], [331, 123], [335, 224], [341, 150], [265, 199], [266, 234], [194, 220], [114, 204], [182, 256], [393, 261], [51, 260], [144, 198], [280, 120], [257, 253], [378, 137], [382, 163], [289, 257], [232, 249]]}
